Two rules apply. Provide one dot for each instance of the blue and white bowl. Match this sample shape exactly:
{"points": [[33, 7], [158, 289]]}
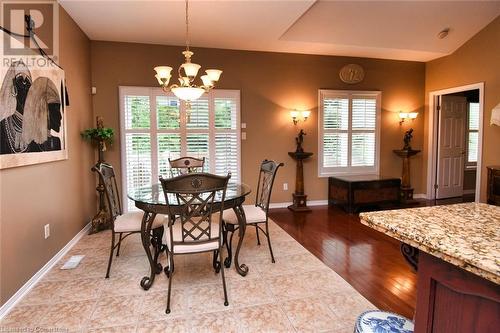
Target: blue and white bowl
{"points": [[377, 321]]}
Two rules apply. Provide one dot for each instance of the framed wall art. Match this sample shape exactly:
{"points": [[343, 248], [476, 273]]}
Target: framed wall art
{"points": [[32, 112]]}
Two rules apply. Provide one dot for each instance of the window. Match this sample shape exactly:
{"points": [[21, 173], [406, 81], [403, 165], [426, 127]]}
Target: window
{"points": [[349, 130], [155, 126], [472, 133]]}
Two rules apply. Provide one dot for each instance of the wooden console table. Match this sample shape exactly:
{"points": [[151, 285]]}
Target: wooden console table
{"points": [[354, 192]]}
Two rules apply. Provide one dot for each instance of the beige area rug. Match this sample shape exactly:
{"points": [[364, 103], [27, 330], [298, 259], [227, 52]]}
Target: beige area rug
{"points": [[298, 293]]}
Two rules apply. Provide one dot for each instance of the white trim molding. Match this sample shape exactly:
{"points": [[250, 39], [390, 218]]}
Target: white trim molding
{"points": [[23, 291], [433, 138], [309, 203]]}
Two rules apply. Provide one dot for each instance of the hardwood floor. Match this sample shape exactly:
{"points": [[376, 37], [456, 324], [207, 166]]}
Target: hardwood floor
{"points": [[370, 261]]}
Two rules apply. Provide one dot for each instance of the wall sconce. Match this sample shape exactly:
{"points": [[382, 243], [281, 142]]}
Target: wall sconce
{"points": [[295, 115], [407, 115]]}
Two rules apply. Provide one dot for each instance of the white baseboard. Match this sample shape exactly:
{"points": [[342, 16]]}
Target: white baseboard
{"points": [[309, 203], [325, 202], [9, 305]]}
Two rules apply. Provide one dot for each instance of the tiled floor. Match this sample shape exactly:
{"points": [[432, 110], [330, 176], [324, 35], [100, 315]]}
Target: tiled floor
{"points": [[297, 293]]}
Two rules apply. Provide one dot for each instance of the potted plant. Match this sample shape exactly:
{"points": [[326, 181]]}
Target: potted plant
{"points": [[99, 136]]}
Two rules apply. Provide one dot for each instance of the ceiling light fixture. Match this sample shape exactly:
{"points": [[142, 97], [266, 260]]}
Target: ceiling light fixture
{"points": [[187, 91]]}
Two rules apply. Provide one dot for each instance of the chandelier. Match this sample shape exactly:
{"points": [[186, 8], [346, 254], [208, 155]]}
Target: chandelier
{"points": [[186, 90]]}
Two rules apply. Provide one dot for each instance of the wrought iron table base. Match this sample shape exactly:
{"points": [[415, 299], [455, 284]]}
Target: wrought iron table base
{"points": [[147, 241], [240, 214]]}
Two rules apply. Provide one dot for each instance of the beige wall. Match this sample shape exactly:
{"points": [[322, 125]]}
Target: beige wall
{"points": [[478, 60], [271, 84], [60, 193]]}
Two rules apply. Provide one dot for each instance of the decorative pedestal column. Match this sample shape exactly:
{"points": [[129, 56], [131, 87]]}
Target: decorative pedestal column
{"points": [[299, 197], [406, 189]]}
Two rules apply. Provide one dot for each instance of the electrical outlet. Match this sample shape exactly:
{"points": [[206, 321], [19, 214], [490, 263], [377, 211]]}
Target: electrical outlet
{"points": [[46, 229], [285, 186], [243, 135]]}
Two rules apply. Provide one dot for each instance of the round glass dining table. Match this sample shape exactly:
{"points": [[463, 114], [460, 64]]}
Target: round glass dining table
{"points": [[151, 200]]}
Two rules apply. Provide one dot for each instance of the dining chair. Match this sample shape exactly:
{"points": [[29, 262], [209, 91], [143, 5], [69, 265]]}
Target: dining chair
{"points": [[124, 224], [194, 220], [183, 165], [256, 215]]}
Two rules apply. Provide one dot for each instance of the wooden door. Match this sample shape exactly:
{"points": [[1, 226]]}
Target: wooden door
{"points": [[451, 152]]}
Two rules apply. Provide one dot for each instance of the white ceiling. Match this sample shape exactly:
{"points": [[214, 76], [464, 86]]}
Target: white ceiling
{"points": [[404, 30]]}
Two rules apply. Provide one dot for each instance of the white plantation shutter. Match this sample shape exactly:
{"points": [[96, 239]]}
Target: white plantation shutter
{"points": [[349, 132], [197, 146], [472, 133], [156, 126], [227, 140], [364, 118]]}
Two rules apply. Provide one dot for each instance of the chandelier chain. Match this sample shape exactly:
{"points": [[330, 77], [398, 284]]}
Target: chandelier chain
{"points": [[187, 25]]}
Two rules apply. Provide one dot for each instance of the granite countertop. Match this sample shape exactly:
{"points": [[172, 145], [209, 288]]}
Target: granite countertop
{"points": [[466, 235]]}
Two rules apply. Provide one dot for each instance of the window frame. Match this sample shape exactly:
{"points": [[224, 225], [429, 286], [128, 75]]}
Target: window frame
{"points": [[348, 170], [154, 131]]}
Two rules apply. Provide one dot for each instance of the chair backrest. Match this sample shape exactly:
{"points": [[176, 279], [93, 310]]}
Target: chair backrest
{"points": [[107, 177], [268, 170], [186, 165], [195, 193]]}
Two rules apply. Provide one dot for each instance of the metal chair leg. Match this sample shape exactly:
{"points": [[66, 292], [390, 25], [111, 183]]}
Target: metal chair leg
{"points": [[226, 303], [269, 242], [119, 245], [111, 253], [170, 276], [257, 231]]}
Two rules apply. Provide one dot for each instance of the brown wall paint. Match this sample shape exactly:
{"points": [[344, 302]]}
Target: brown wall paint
{"points": [[478, 60], [271, 84], [60, 193]]}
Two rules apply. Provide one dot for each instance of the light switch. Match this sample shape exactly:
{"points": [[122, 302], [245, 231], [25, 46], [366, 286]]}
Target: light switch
{"points": [[243, 125]]}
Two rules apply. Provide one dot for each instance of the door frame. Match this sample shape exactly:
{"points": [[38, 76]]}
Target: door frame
{"points": [[433, 136]]}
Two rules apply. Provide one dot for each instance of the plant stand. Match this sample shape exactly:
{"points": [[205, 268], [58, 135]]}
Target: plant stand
{"points": [[101, 220]]}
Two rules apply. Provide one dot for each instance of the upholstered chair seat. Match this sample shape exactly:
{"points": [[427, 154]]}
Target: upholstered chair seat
{"points": [[131, 222], [253, 214], [195, 247]]}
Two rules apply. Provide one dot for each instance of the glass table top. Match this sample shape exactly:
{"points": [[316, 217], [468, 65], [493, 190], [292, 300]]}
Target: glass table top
{"points": [[153, 194]]}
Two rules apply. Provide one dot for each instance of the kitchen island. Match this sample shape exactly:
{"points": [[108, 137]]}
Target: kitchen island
{"points": [[456, 250]]}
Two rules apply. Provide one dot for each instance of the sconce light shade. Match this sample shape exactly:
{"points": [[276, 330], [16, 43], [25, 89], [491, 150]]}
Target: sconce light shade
{"points": [[403, 115], [407, 115], [295, 115]]}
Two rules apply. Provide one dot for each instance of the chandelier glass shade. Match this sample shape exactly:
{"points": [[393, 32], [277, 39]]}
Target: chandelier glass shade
{"points": [[187, 90]]}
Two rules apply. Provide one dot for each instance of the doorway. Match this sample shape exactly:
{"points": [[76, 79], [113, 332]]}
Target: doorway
{"points": [[455, 141]]}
